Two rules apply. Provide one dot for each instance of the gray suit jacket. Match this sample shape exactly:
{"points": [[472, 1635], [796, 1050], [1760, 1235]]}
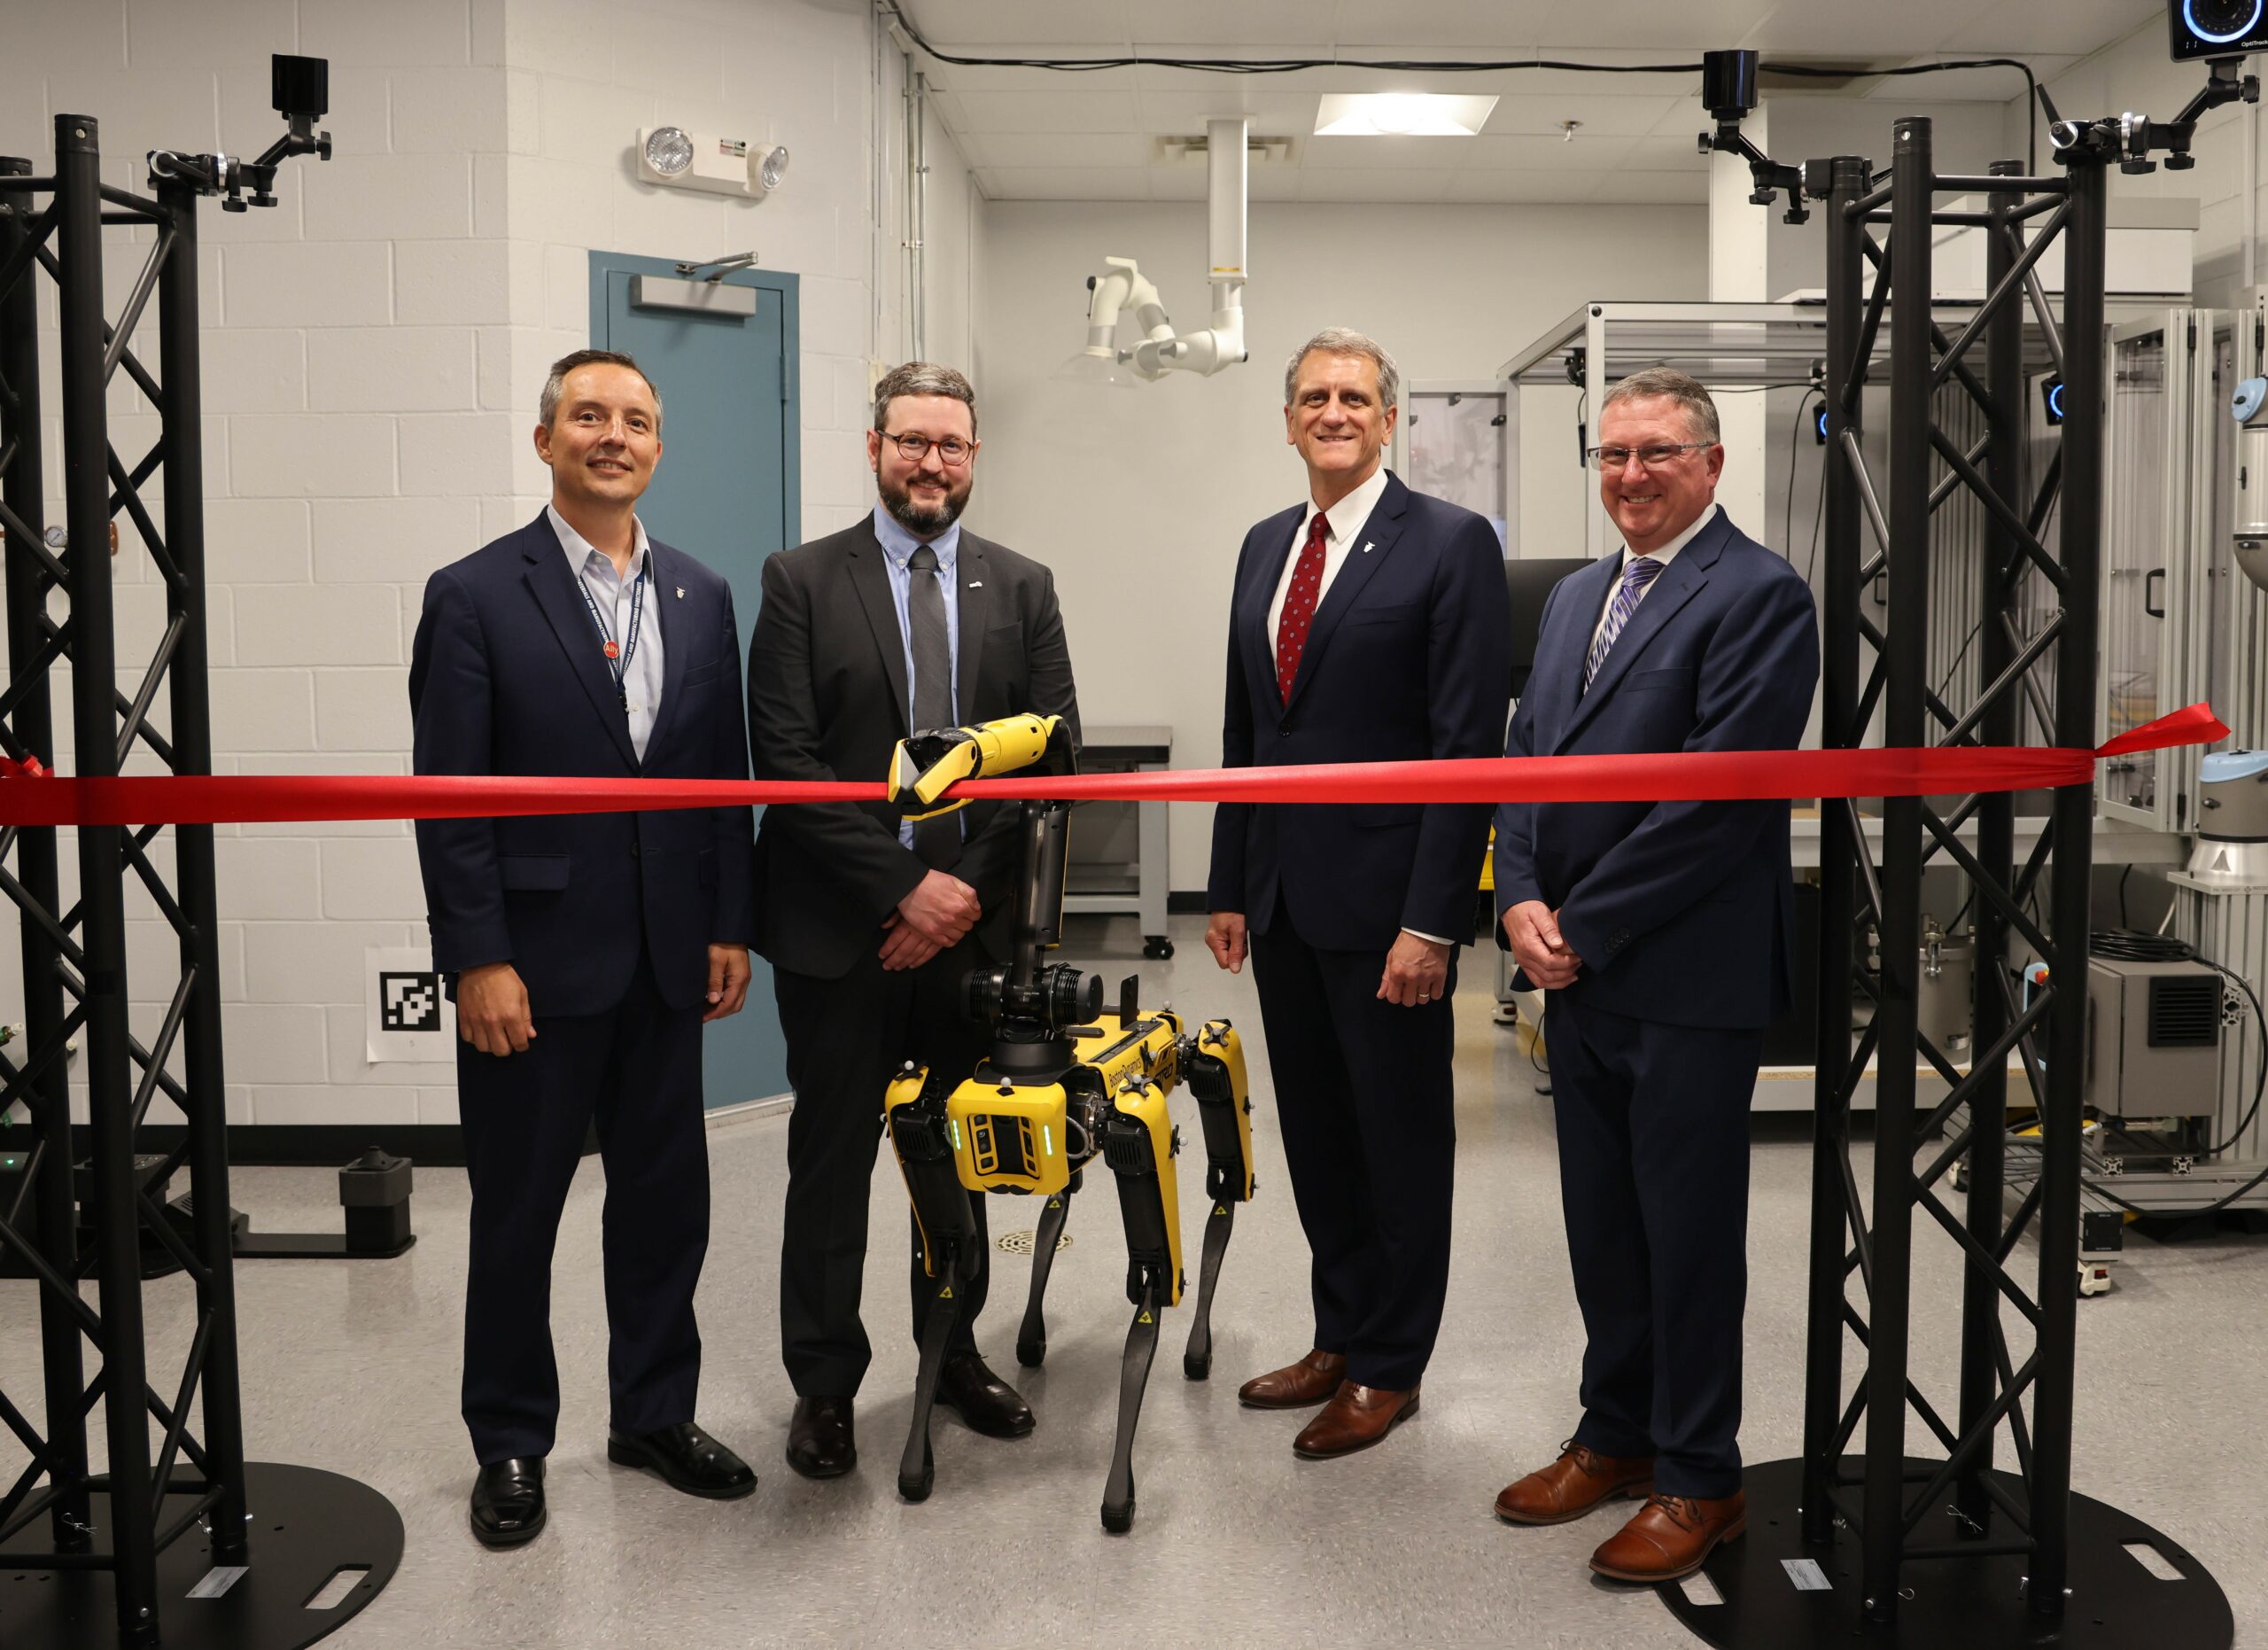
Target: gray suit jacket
{"points": [[826, 699]]}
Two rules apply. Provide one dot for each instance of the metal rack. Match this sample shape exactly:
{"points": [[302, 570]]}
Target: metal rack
{"points": [[123, 1544], [1901, 1550]]}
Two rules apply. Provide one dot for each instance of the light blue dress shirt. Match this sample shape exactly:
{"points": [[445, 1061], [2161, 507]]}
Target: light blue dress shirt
{"points": [[616, 598], [899, 546]]}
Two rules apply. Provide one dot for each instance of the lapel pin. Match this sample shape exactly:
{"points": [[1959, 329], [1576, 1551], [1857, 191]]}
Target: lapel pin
{"points": [[976, 584], [680, 592], [1366, 545]]}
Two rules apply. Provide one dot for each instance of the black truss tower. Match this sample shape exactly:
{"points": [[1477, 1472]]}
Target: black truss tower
{"points": [[1879, 1546], [124, 1544]]}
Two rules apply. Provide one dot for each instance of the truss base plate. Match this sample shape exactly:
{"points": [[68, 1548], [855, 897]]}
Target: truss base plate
{"points": [[307, 1525], [2116, 1603]]}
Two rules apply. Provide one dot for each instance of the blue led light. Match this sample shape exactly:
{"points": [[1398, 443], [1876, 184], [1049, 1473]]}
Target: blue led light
{"points": [[1822, 421], [2189, 16], [2056, 398]]}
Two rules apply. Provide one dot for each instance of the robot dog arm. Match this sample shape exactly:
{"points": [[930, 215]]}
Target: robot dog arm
{"points": [[923, 767]]}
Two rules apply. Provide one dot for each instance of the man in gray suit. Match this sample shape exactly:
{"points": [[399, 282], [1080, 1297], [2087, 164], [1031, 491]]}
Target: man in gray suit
{"points": [[870, 921]]}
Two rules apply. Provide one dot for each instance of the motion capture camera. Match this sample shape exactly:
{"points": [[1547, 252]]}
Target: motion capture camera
{"points": [[1729, 84], [2217, 28], [301, 95]]}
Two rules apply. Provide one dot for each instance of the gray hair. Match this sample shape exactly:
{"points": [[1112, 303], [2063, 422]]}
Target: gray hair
{"points": [[1671, 385], [923, 377], [1345, 342], [555, 386]]}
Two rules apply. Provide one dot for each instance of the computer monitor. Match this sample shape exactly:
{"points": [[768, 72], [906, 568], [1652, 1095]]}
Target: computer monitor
{"points": [[1529, 582]]}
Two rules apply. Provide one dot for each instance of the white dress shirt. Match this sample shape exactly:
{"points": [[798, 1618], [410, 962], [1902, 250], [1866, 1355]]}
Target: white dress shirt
{"points": [[615, 595], [1342, 529], [1662, 556]]}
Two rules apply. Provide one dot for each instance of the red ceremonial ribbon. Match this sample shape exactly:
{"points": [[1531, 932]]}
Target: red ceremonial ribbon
{"points": [[40, 798]]}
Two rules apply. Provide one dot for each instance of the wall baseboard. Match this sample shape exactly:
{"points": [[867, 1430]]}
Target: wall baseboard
{"points": [[309, 1145]]}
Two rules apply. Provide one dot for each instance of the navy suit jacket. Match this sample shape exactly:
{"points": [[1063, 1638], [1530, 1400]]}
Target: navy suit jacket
{"points": [[506, 677], [1409, 657], [1683, 912]]}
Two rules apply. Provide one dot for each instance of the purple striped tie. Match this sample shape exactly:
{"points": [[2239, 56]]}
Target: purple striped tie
{"points": [[1635, 578]]}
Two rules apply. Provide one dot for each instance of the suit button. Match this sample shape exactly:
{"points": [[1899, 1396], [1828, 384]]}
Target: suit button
{"points": [[633, 850], [1283, 733]]}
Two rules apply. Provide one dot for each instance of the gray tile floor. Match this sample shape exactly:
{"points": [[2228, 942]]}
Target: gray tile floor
{"points": [[353, 1367]]}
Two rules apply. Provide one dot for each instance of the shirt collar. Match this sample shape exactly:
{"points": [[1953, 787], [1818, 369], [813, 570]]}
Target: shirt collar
{"points": [[580, 550], [1675, 544], [899, 544], [1349, 512]]}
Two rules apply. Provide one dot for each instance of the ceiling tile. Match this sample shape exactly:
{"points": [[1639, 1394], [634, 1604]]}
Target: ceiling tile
{"points": [[1065, 182], [1583, 153], [1332, 154], [1524, 113], [1678, 153], [1561, 188], [1057, 148], [1046, 111]]}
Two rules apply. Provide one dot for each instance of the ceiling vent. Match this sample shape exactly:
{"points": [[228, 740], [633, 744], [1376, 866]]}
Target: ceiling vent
{"points": [[1258, 151]]}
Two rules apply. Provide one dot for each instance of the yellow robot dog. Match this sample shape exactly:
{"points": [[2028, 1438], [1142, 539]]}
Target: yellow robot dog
{"points": [[1066, 1083]]}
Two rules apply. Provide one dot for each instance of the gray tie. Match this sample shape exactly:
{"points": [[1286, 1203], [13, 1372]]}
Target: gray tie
{"points": [[936, 840]]}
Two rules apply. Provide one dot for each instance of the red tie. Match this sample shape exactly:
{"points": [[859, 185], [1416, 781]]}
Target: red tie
{"points": [[1299, 607]]}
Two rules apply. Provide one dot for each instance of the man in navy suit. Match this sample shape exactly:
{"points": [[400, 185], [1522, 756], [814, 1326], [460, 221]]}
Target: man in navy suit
{"points": [[1662, 933], [584, 951], [1368, 624]]}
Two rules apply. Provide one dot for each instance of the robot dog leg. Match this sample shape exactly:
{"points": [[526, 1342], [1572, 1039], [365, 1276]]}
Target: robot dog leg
{"points": [[1032, 1338], [1212, 1064], [921, 1134], [1140, 1143]]}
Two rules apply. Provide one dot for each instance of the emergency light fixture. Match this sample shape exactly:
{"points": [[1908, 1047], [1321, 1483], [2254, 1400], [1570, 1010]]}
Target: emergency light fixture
{"points": [[681, 159]]}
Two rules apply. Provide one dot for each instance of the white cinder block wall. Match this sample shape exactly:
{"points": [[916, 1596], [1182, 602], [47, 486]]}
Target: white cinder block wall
{"points": [[371, 355]]}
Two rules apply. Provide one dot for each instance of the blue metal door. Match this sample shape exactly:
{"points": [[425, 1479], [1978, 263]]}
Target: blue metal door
{"points": [[725, 493]]}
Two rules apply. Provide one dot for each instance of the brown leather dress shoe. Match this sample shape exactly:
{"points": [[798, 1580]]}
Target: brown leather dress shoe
{"points": [[1574, 1484], [1671, 1537], [1355, 1417], [1295, 1386]]}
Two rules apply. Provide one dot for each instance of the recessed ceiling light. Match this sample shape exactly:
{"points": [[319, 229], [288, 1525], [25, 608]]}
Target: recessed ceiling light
{"points": [[1401, 114]]}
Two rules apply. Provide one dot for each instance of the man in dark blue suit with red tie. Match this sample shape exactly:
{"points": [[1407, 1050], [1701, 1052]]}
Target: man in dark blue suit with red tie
{"points": [[1370, 625], [1662, 933], [585, 951]]}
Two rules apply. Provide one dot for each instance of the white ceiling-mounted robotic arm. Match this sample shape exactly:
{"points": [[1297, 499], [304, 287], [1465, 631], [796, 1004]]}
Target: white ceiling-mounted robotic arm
{"points": [[1122, 286]]}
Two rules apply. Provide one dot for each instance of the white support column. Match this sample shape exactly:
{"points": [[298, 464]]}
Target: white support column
{"points": [[1738, 230]]}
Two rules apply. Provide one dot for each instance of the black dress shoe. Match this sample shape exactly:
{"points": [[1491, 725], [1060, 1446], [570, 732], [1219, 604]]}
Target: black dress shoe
{"points": [[687, 1459], [508, 1502], [988, 1403], [820, 1443]]}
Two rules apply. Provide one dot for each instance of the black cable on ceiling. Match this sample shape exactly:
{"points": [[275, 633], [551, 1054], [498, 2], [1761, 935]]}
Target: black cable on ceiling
{"points": [[1409, 66]]}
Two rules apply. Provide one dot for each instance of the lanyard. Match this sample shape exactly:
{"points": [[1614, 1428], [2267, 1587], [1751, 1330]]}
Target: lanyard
{"points": [[617, 657]]}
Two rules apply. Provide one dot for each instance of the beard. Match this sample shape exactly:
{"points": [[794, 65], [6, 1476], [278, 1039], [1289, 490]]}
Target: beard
{"points": [[926, 520]]}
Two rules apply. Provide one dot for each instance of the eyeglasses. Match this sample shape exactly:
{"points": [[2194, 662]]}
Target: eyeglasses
{"points": [[914, 448], [1653, 457]]}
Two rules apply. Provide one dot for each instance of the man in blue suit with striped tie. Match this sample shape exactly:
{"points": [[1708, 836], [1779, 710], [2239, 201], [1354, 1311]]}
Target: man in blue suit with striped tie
{"points": [[1662, 933]]}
